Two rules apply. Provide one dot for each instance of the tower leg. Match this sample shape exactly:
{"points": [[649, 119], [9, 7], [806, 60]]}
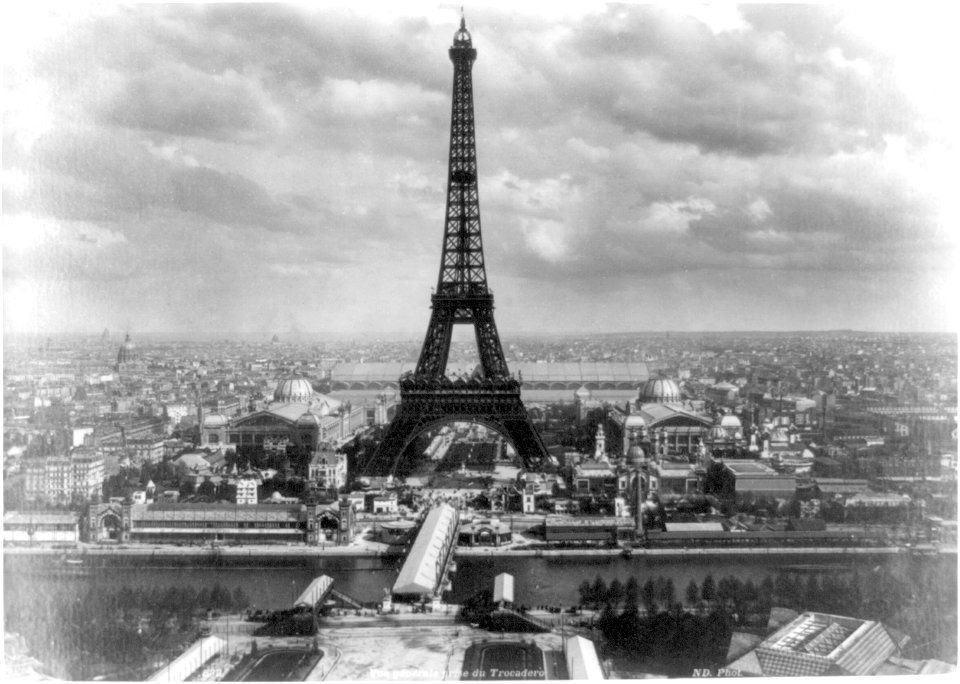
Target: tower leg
{"points": [[508, 417]]}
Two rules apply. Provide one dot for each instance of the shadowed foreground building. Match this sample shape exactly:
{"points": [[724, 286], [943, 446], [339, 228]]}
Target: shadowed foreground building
{"points": [[818, 644]]}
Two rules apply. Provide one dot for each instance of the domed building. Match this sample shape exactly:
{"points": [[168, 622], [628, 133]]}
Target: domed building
{"points": [[717, 438], [667, 427], [128, 351], [293, 389], [296, 389], [308, 420], [636, 458], [732, 426], [128, 357], [660, 391], [723, 393], [214, 421], [297, 416]]}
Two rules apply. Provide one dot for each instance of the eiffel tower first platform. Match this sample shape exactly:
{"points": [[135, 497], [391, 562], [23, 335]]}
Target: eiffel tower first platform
{"points": [[490, 397]]}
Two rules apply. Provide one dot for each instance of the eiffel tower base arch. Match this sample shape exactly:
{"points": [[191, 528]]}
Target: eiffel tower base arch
{"points": [[425, 404]]}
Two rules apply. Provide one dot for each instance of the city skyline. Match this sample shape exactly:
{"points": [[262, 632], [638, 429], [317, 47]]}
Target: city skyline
{"points": [[263, 169]]}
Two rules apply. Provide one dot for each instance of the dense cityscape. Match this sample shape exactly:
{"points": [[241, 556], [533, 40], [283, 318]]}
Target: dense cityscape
{"points": [[188, 500], [840, 441]]}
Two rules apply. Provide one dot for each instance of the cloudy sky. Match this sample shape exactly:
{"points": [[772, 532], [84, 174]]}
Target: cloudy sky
{"points": [[260, 168]]}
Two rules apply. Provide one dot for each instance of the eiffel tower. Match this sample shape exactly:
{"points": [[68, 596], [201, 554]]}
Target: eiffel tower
{"points": [[490, 396]]}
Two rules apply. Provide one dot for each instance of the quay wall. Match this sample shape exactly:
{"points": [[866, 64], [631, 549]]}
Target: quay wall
{"points": [[236, 554]]}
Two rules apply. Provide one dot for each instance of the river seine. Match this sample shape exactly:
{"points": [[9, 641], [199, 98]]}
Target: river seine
{"points": [[538, 580]]}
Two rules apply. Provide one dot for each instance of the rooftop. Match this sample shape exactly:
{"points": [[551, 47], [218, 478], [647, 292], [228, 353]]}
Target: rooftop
{"points": [[749, 468], [820, 644], [588, 522], [419, 574], [40, 518]]}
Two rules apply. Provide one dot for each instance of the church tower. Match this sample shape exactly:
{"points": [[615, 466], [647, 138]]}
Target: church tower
{"points": [[600, 447]]}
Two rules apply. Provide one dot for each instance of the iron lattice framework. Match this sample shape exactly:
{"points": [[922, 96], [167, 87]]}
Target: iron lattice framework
{"points": [[491, 396]]}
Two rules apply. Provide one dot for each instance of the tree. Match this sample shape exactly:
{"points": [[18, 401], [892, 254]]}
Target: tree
{"points": [[188, 600], [813, 593], [692, 593], [785, 590], [607, 622], [709, 589], [747, 598], [207, 488], [586, 592], [481, 501], [148, 472], [240, 598], [648, 595], [599, 590], [765, 594], [725, 591], [719, 481], [631, 595], [791, 509], [717, 635], [112, 486], [186, 489], [226, 491], [667, 594], [854, 596], [745, 502], [616, 592], [834, 592], [220, 597]]}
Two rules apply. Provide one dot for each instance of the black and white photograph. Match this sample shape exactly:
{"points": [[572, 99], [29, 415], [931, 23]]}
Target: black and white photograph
{"points": [[429, 341]]}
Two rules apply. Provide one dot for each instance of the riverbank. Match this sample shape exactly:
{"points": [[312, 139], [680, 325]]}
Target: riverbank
{"points": [[485, 552], [199, 551], [313, 552]]}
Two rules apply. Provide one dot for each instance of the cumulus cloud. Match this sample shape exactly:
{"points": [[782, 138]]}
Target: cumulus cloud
{"points": [[348, 99], [177, 100], [302, 151]]}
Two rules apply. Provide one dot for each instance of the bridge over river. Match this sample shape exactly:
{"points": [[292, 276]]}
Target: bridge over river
{"points": [[425, 572]]}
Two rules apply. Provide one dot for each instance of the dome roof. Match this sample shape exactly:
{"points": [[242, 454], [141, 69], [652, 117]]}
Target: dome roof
{"points": [[128, 351], [293, 389], [214, 420], [717, 434], [659, 391], [635, 455], [730, 421], [308, 420]]}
